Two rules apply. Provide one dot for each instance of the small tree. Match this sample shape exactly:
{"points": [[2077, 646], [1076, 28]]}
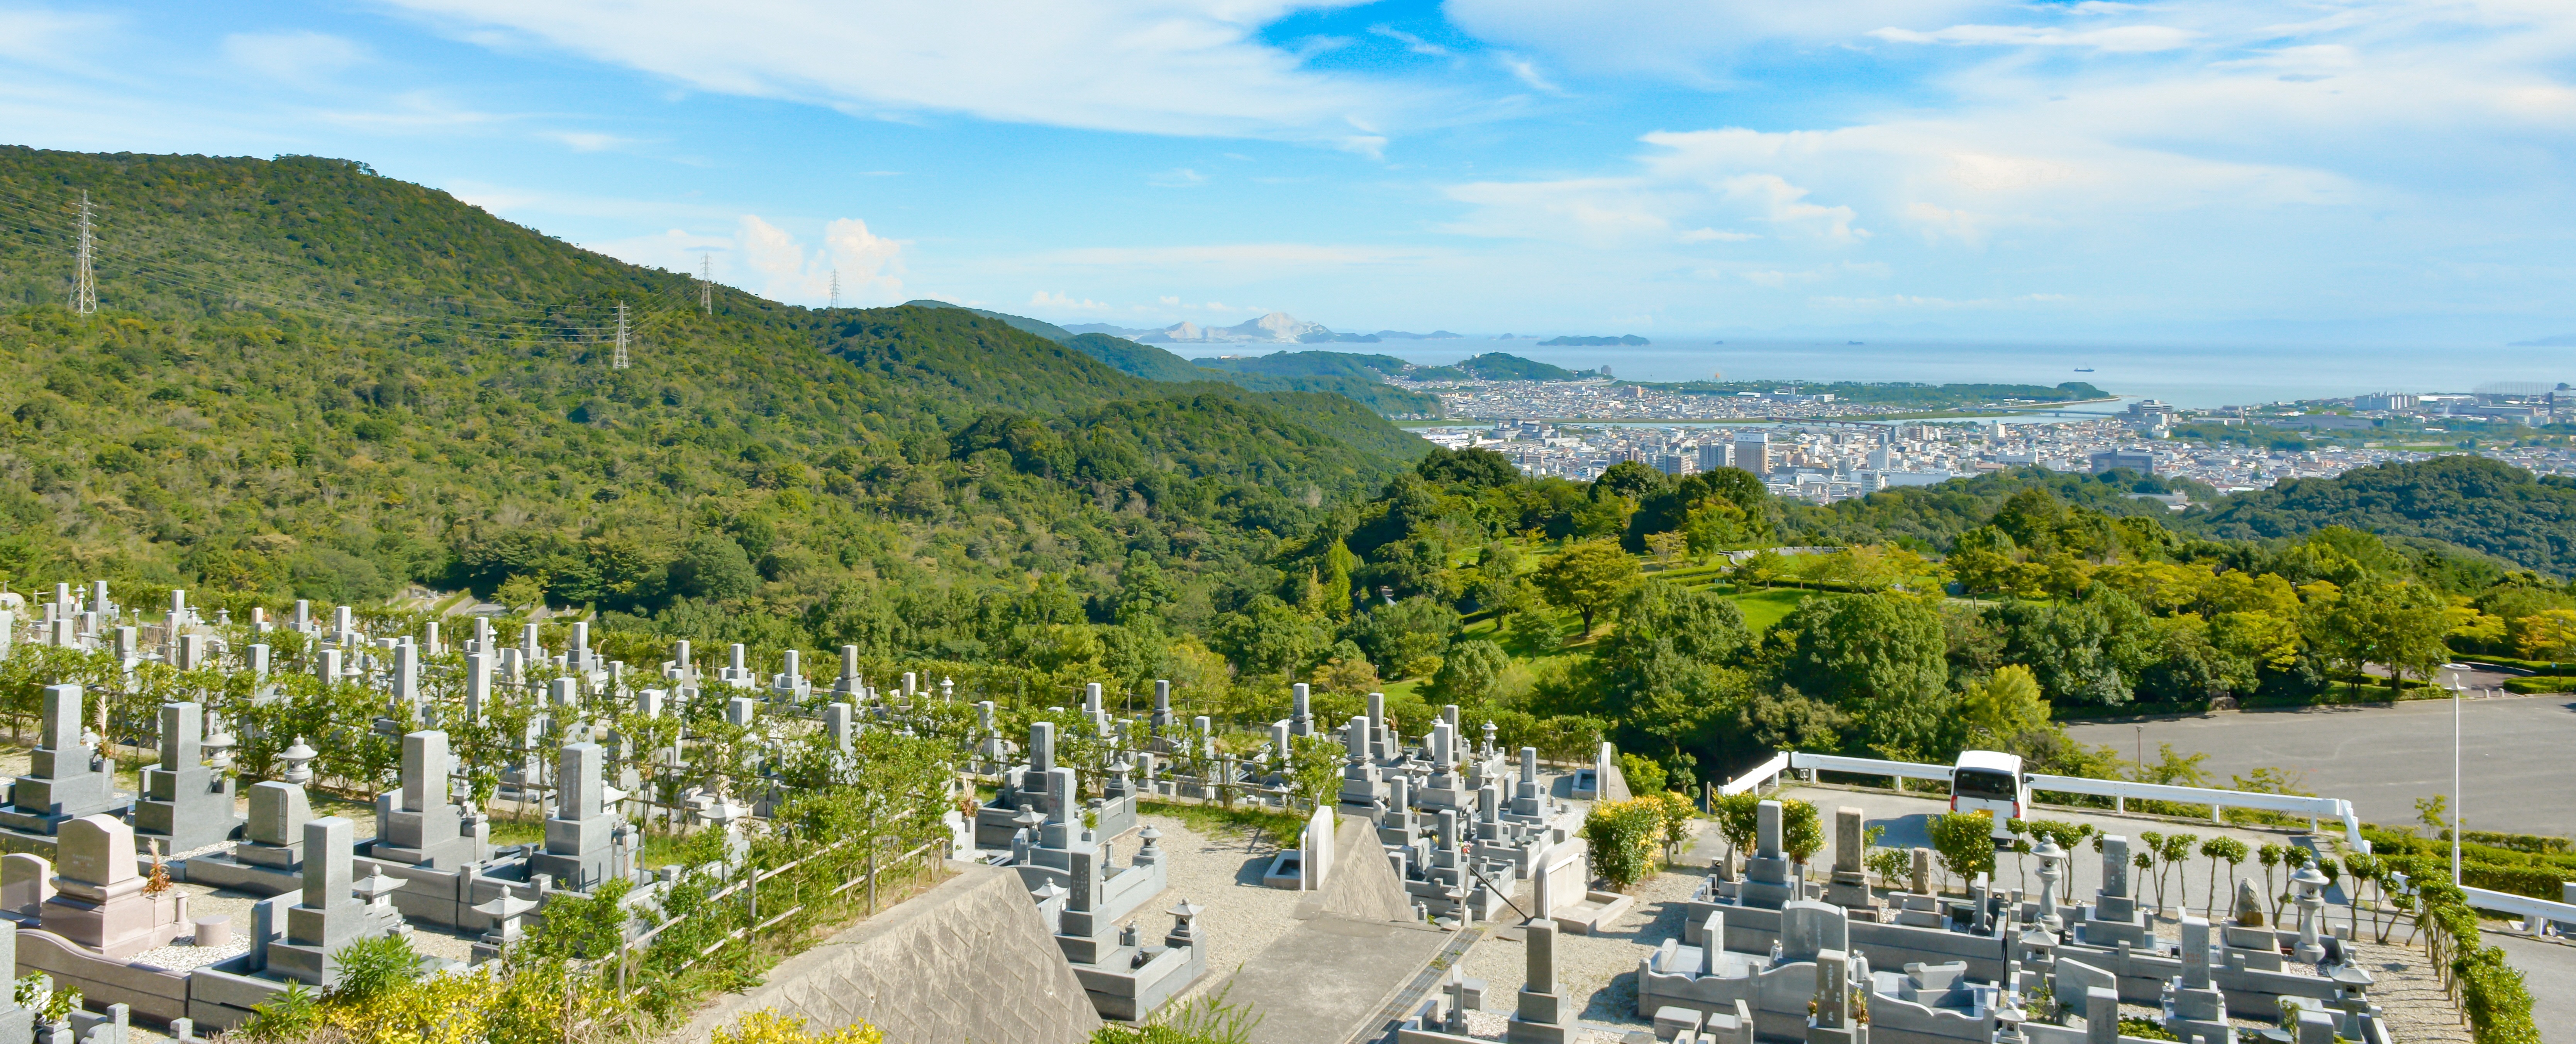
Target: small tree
{"points": [[1802, 833], [2216, 849], [1678, 814], [2270, 856], [2174, 854], [1315, 769], [1738, 818], [1965, 843]]}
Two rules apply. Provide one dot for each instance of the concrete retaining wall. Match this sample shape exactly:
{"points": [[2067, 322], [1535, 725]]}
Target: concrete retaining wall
{"points": [[969, 960]]}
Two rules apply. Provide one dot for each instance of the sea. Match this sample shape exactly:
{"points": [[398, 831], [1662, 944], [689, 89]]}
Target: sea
{"points": [[2199, 376]]}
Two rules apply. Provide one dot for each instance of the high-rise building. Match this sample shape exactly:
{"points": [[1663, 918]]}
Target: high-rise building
{"points": [[1673, 464], [1753, 451], [1715, 455]]}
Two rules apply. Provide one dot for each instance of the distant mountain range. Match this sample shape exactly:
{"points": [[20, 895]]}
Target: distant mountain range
{"points": [[1594, 342], [1275, 328]]}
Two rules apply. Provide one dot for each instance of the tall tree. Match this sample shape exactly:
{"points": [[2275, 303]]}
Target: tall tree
{"points": [[1587, 577]]}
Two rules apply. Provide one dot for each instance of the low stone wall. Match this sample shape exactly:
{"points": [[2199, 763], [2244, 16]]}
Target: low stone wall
{"points": [[969, 960]]}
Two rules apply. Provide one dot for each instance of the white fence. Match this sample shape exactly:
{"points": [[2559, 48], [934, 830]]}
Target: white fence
{"points": [[2120, 791]]}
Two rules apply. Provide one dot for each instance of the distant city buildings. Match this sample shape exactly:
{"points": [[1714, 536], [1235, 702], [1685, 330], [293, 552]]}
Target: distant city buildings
{"points": [[1810, 457]]}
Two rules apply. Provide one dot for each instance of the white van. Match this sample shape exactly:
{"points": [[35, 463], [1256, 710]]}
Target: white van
{"points": [[1993, 782]]}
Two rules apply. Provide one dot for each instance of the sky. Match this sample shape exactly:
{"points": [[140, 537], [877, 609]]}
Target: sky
{"points": [[2330, 171]]}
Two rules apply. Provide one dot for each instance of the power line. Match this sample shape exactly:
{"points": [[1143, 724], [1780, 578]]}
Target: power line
{"points": [[84, 283]]}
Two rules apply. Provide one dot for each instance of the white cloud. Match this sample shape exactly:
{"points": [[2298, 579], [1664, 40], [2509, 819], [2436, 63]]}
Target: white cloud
{"points": [[2115, 39], [1526, 71], [767, 260], [1174, 67], [301, 58], [1058, 300], [1182, 177]]}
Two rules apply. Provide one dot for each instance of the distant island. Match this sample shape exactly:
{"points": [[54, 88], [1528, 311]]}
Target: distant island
{"points": [[1496, 366], [2554, 341], [1593, 342]]}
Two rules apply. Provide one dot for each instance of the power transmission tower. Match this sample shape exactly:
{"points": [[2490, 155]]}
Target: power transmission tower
{"points": [[84, 282], [618, 361], [836, 288], [706, 282]]}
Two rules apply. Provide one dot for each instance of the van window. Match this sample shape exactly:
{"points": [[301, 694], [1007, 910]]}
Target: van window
{"points": [[1989, 786]]}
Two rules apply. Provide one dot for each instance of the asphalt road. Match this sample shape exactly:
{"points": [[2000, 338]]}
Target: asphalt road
{"points": [[2518, 766], [2549, 973]]}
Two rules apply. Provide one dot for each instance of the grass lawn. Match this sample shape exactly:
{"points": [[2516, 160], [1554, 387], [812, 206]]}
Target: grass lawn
{"points": [[1764, 608]]}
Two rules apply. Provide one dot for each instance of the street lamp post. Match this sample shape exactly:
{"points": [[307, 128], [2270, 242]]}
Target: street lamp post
{"points": [[2456, 689]]}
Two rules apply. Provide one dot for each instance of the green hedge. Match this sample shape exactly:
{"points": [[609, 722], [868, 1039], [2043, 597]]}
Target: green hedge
{"points": [[2490, 992], [2539, 684]]}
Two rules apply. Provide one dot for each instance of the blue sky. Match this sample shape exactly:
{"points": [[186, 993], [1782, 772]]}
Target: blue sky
{"points": [[2391, 171]]}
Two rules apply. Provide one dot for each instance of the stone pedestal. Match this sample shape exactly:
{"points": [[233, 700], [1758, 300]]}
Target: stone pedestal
{"points": [[99, 900], [1540, 1017], [1849, 887]]}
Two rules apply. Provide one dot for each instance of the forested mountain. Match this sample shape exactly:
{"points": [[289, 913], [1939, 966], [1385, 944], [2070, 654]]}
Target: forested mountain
{"points": [[2474, 502], [305, 380], [1156, 364]]}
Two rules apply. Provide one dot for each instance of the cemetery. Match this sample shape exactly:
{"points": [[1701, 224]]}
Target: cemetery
{"points": [[524, 808]]}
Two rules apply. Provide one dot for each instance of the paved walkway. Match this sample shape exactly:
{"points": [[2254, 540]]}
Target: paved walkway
{"points": [[2549, 972], [2383, 758], [1327, 977]]}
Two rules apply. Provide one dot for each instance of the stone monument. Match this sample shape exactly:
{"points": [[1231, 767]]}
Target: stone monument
{"points": [[65, 780], [99, 899], [185, 804], [1849, 887]]}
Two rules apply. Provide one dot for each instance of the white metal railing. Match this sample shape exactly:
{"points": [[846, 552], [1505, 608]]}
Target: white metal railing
{"points": [[2533, 911], [2120, 790], [1767, 770]]}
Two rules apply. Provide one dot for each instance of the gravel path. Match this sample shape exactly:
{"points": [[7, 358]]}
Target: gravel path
{"points": [[1221, 872], [1597, 971], [2419, 1010]]}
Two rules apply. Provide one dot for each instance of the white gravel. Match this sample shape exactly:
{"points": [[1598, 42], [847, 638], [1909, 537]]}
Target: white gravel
{"points": [[1221, 872]]}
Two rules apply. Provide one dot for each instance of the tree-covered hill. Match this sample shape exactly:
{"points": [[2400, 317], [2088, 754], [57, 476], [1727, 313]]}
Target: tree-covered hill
{"points": [[305, 380], [2474, 502]]}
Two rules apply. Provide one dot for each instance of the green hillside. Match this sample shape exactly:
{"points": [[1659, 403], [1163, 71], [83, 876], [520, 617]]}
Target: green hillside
{"points": [[1309, 364], [1139, 360], [2473, 502], [308, 381], [1040, 327]]}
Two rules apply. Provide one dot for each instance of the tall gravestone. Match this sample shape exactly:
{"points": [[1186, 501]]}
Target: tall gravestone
{"points": [[1849, 887], [63, 781], [184, 804], [425, 828], [1540, 1015], [330, 915], [580, 842]]}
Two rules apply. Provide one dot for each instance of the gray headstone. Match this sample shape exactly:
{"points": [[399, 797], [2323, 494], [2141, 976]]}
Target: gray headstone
{"points": [[1808, 928], [424, 770], [326, 861], [1062, 803], [1833, 989], [2115, 866], [62, 725], [278, 812], [1766, 829], [182, 736], [1848, 845], [1041, 747], [578, 778], [1541, 970]]}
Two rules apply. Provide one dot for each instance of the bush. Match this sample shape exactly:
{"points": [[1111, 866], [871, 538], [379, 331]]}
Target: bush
{"points": [[766, 1026], [1624, 837], [1965, 843], [1643, 774]]}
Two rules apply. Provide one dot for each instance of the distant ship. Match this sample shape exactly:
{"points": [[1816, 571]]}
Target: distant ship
{"points": [[2083, 369], [1851, 342]]}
